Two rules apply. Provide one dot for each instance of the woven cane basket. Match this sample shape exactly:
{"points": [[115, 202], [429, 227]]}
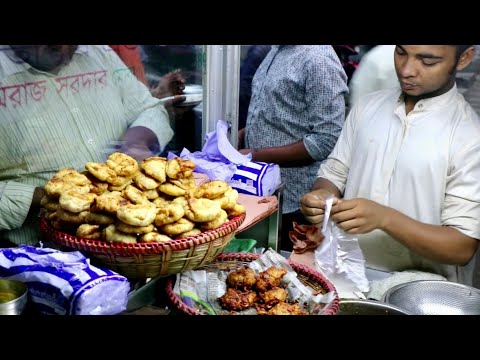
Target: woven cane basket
{"points": [[233, 261], [147, 260]]}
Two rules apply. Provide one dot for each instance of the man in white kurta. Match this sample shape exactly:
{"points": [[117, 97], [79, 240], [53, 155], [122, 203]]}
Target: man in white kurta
{"points": [[423, 163]]}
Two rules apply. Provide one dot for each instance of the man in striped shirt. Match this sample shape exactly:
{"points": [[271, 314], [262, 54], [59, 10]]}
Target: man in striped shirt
{"points": [[64, 106]]}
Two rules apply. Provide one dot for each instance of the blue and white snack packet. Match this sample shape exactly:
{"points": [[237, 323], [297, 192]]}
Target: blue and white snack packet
{"points": [[219, 160], [64, 283]]}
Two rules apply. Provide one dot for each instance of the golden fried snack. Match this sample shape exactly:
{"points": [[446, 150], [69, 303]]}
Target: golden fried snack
{"points": [[161, 201], [130, 229], [56, 187], [187, 183], [242, 279], [51, 215], [193, 232], [221, 219], [109, 202], [155, 167], [211, 190], [72, 218], [151, 194], [122, 164], [232, 196], [145, 182], [235, 299], [178, 227], [236, 210], [121, 186], [137, 215], [273, 296], [110, 233], [72, 176], [177, 168], [101, 171], [99, 219], [270, 278], [169, 214], [88, 231], [181, 200], [134, 195], [284, 308], [96, 186], [49, 203], [121, 181], [171, 189], [75, 201], [153, 237], [202, 210]]}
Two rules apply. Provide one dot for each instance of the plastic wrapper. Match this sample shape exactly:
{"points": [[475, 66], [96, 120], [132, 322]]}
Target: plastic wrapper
{"points": [[340, 258], [64, 283], [200, 289], [219, 160]]}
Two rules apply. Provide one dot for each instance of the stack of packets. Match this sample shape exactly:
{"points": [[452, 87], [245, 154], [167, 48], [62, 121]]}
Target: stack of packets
{"points": [[64, 283], [200, 289]]}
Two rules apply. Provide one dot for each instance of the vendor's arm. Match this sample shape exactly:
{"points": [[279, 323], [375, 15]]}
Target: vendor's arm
{"points": [[16, 201], [149, 131]]}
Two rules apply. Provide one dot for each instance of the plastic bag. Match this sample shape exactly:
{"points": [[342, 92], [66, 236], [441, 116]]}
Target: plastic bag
{"points": [[219, 160], [340, 258]]}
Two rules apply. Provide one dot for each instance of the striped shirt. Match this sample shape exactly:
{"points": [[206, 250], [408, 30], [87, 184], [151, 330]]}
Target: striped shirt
{"points": [[298, 93], [65, 120]]}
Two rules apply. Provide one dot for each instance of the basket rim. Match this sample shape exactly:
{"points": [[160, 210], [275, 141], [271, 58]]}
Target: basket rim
{"points": [[331, 309], [104, 247]]}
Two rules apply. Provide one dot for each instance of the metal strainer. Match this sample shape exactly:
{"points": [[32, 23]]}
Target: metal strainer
{"points": [[434, 297]]}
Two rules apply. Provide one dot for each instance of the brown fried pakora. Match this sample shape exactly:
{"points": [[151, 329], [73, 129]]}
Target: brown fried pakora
{"points": [[270, 278], [242, 279], [284, 308], [273, 296], [235, 299]]}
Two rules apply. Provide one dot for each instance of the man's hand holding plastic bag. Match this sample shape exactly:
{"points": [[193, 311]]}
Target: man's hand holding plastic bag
{"points": [[339, 256]]}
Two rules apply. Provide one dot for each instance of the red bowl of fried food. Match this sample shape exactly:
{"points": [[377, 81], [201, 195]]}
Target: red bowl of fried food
{"points": [[241, 294], [137, 261]]}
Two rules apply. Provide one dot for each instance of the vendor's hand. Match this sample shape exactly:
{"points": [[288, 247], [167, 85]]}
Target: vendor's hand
{"points": [[358, 216], [138, 152], [246, 151], [312, 205], [170, 84]]}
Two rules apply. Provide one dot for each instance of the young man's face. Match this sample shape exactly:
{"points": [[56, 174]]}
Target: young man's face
{"points": [[425, 70], [45, 57]]}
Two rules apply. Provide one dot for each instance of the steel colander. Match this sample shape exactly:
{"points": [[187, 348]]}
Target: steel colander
{"points": [[435, 297]]}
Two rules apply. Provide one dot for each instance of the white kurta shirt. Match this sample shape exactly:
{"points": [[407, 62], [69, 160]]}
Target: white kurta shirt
{"points": [[425, 164]]}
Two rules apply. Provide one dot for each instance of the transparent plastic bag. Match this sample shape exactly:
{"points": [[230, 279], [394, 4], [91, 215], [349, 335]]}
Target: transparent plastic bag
{"points": [[340, 258]]}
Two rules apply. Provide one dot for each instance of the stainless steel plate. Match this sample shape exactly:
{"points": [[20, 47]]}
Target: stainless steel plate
{"points": [[368, 307], [433, 297]]}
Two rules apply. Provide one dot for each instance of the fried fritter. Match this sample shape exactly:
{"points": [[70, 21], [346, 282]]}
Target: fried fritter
{"points": [[109, 202], [270, 278], [153, 237], [273, 296], [235, 299], [137, 215], [221, 219], [212, 189], [145, 182], [101, 171], [178, 227], [99, 219], [110, 233], [242, 279], [171, 189], [88, 231], [130, 229], [75, 201], [72, 176], [236, 210], [202, 210], [156, 168], [49, 203], [169, 214], [284, 308], [192, 232], [122, 164], [177, 168], [135, 195]]}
